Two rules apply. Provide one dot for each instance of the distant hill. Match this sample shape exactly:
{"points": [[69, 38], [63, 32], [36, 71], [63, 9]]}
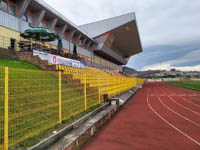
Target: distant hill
{"points": [[147, 74], [129, 71], [151, 73]]}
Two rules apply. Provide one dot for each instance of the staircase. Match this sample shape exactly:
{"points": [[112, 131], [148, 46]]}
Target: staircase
{"points": [[28, 56]]}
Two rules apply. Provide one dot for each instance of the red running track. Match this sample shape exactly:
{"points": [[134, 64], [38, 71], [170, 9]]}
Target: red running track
{"points": [[158, 117]]}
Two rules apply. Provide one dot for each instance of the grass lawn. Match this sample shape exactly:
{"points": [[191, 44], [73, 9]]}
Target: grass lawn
{"points": [[18, 64], [194, 85], [34, 102]]}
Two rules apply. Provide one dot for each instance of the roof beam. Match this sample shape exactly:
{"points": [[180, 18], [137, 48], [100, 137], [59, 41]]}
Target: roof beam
{"points": [[78, 38], [22, 5], [70, 35], [88, 45], [39, 17], [62, 30], [93, 46], [84, 42], [52, 23]]}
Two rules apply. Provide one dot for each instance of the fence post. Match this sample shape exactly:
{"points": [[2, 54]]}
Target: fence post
{"points": [[99, 89], [85, 91], [60, 98], [6, 111], [107, 85]]}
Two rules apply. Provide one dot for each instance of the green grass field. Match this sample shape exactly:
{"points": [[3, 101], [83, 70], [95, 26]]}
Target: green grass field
{"points": [[18, 64], [34, 102], [194, 85]]}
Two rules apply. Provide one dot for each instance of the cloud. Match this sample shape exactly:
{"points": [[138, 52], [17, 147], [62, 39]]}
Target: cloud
{"points": [[171, 54], [168, 67], [187, 62], [169, 29], [193, 56]]}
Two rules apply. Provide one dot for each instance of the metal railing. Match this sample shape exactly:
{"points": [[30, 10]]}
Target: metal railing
{"points": [[13, 44], [32, 101]]}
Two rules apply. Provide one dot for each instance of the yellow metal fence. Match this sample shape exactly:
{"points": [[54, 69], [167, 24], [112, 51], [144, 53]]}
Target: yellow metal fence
{"points": [[32, 101]]}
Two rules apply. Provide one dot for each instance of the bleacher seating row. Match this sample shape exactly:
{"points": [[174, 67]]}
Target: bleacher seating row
{"points": [[107, 82]]}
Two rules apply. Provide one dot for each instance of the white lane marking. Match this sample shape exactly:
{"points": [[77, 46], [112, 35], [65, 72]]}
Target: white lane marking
{"points": [[191, 95], [170, 124], [183, 97], [170, 109], [184, 106], [195, 98], [190, 102], [194, 95], [172, 94]]}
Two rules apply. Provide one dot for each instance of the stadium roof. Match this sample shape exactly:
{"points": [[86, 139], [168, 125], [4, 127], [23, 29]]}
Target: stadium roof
{"points": [[124, 32], [60, 16], [124, 28]]}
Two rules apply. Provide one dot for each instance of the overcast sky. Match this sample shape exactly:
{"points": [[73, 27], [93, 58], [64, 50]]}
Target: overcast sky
{"points": [[169, 29]]}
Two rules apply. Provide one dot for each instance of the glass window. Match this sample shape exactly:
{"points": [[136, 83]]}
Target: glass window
{"points": [[12, 10], [3, 5]]}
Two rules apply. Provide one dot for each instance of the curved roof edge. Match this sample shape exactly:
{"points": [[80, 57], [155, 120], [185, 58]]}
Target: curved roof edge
{"points": [[100, 27]]}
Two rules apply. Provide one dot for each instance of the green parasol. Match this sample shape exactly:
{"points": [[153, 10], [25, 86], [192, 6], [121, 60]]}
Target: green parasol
{"points": [[75, 49], [60, 45], [40, 34]]}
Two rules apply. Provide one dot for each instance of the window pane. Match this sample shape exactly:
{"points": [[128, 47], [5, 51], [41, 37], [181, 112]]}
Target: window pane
{"points": [[3, 5], [12, 10]]}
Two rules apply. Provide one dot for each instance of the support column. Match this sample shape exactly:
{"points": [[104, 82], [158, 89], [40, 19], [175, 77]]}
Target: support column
{"points": [[62, 30], [52, 23], [88, 45], [39, 16], [93, 46], [70, 35], [84, 41], [78, 38], [22, 5]]}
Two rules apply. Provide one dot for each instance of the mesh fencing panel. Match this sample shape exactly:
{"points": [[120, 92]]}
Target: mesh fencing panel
{"points": [[39, 100]]}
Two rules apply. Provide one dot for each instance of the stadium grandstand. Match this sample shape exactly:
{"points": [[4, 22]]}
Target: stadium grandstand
{"points": [[42, 87], [105, 44]]}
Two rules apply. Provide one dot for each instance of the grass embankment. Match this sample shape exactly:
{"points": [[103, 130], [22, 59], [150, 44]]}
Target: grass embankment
{"points": [[18, 64], [34, 103], [194, 85]]}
